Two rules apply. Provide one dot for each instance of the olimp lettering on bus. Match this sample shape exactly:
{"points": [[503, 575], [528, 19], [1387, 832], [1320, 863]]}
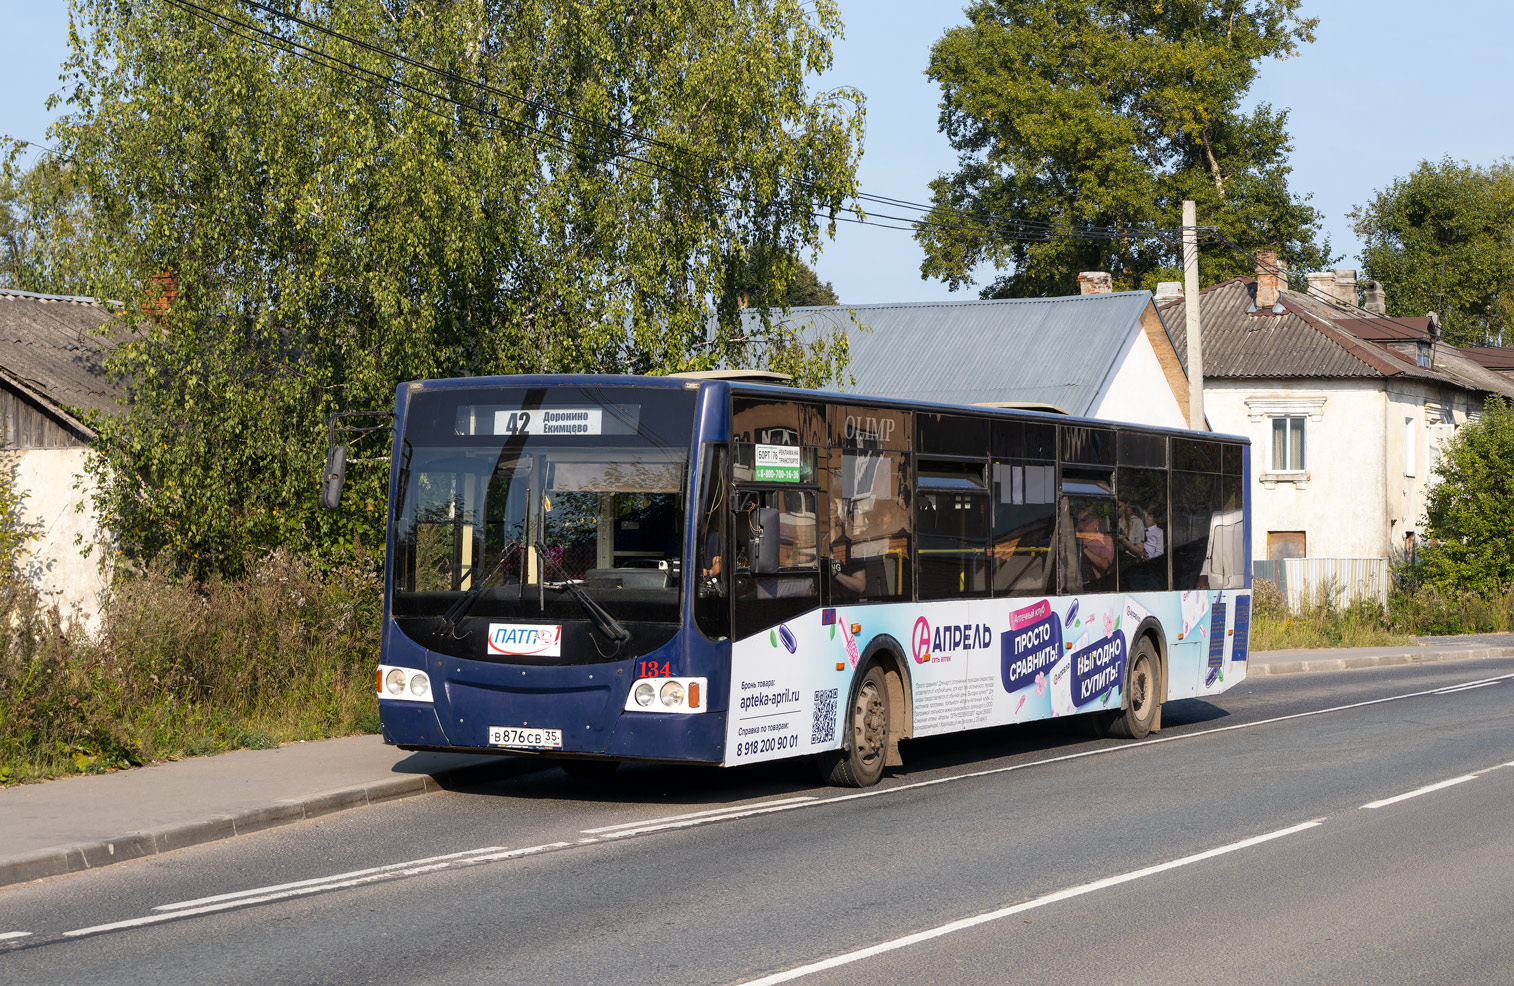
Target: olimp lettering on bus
{"points": [[876, 429]]}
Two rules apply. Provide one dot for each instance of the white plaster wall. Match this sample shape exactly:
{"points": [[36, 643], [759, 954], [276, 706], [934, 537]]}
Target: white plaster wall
{"points": [[1344, 507], [1137, 390], [53, 558]]}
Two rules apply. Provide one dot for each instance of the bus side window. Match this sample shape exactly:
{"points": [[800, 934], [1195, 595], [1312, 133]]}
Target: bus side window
{"points": [[775, 565], [1141, 515], [1025, 506], [1208, 521], [712, 600], [870, 527]]}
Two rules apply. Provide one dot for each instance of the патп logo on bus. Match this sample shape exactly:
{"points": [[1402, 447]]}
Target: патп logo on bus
{"points": [[524, 640]]}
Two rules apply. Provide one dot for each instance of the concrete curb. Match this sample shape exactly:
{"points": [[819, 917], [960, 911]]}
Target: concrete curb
{"points": [[1374, 661], [60, 860]]}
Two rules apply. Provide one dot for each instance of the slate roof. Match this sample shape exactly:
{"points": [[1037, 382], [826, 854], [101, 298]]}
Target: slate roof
{"points": [[1319, 339], [48, 348], [1059, 351]]}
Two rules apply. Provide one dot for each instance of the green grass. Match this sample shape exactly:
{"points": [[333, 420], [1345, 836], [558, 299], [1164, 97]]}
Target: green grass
{"points": [[186, 669]]}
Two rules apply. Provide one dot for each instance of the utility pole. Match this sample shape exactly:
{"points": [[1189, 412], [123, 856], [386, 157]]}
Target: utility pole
{"points": [[1191, 314]]}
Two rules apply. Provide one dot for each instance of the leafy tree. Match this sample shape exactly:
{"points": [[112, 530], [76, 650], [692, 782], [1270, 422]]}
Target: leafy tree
{"points": [[298, 222], [807, 289], [47, 249], [1109, 113], [760, 289], [1442, 240], [1470, 509]]}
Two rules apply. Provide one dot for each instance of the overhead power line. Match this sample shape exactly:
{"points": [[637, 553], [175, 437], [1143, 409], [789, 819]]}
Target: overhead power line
{"points": [[953, 221]]}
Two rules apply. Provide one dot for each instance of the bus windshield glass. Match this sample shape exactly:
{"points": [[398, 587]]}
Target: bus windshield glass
{"points": [[511, 495]]}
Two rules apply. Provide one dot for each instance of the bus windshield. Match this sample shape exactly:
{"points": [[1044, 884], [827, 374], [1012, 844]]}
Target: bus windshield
{"points": [[509, 495]]}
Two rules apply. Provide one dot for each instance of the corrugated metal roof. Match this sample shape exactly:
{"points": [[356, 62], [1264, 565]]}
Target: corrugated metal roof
{"points": [[1059, 351], [1316, 338], [48, 346]]}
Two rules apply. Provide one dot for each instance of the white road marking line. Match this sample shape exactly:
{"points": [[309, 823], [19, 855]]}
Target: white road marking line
{"points": [[1052, 898], [1418, 791], [490, 854], [8, 935], [698, 814], [657, 825], [227, 905], [201, 901], [1466, 688]]}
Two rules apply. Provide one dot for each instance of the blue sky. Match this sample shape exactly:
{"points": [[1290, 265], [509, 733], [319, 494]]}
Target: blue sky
{"points": [[1386, 84]]}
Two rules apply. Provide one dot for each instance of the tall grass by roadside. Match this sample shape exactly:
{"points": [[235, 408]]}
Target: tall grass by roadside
{"points": [[1412, 611], [1320, 623], [183, 668]]}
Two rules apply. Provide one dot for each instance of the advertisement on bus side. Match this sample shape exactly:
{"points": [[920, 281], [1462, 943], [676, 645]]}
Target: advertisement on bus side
{"points": [[974, 663]]}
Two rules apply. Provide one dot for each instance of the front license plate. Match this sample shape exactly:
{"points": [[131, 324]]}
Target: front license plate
{"points": [[525, 739]]}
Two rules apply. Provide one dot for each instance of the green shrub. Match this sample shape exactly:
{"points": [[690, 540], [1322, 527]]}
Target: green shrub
{"points": [[1320, 623], [184, 668]]}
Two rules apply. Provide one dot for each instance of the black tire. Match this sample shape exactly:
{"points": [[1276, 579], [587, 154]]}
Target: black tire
{"points": [[589, 771], [1141, 698], [860, 761]]}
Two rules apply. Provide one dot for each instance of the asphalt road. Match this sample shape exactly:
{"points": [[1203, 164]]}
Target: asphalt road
{"points": [[1234, 846]]}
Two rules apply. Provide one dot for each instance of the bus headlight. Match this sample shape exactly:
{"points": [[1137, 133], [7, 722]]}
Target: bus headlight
{"points": [[403, 684], [680, 695]]}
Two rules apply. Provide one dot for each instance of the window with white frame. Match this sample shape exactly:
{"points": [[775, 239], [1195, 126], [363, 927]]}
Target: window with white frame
{"points": [[1408, 446], [1288, 443]]}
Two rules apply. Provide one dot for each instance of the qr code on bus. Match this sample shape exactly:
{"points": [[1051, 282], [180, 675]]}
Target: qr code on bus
{"points": [[824, 728]]}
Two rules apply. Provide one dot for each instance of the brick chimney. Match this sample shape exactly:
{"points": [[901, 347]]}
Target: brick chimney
{"points": [[1343, 288], [1095, 282], [1271, 275], [1374, 299], [1168, 291], [163, 290]]}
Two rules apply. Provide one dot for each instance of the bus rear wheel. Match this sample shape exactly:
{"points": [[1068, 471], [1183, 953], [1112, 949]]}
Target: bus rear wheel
{"points": [[1142, 700], [860, 762]]}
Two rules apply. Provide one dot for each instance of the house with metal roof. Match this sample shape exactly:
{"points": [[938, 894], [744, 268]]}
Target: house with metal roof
{"points": [[1100, 354], [52, 382], [1346, 409]]}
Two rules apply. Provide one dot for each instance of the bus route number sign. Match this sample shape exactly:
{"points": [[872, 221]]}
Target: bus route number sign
{"points": [[550, 421]]}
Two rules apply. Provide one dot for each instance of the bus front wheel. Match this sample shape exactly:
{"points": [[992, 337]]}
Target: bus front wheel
{"points": [[1142, 700], [860, 762]]}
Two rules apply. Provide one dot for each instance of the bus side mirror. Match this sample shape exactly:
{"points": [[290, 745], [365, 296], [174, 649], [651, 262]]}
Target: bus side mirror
{"points": [[764, 543], [333, 477]]}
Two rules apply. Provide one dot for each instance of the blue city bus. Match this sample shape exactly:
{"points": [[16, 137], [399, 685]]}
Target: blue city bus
{"points": [[603, 569]]}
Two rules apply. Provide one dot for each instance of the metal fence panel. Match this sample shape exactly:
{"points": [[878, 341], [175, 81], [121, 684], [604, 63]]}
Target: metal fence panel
{"points": [[1305, 582]]}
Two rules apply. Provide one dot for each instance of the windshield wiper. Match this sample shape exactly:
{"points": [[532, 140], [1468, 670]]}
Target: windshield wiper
{"points": [[459, 609], [603, 622]]}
